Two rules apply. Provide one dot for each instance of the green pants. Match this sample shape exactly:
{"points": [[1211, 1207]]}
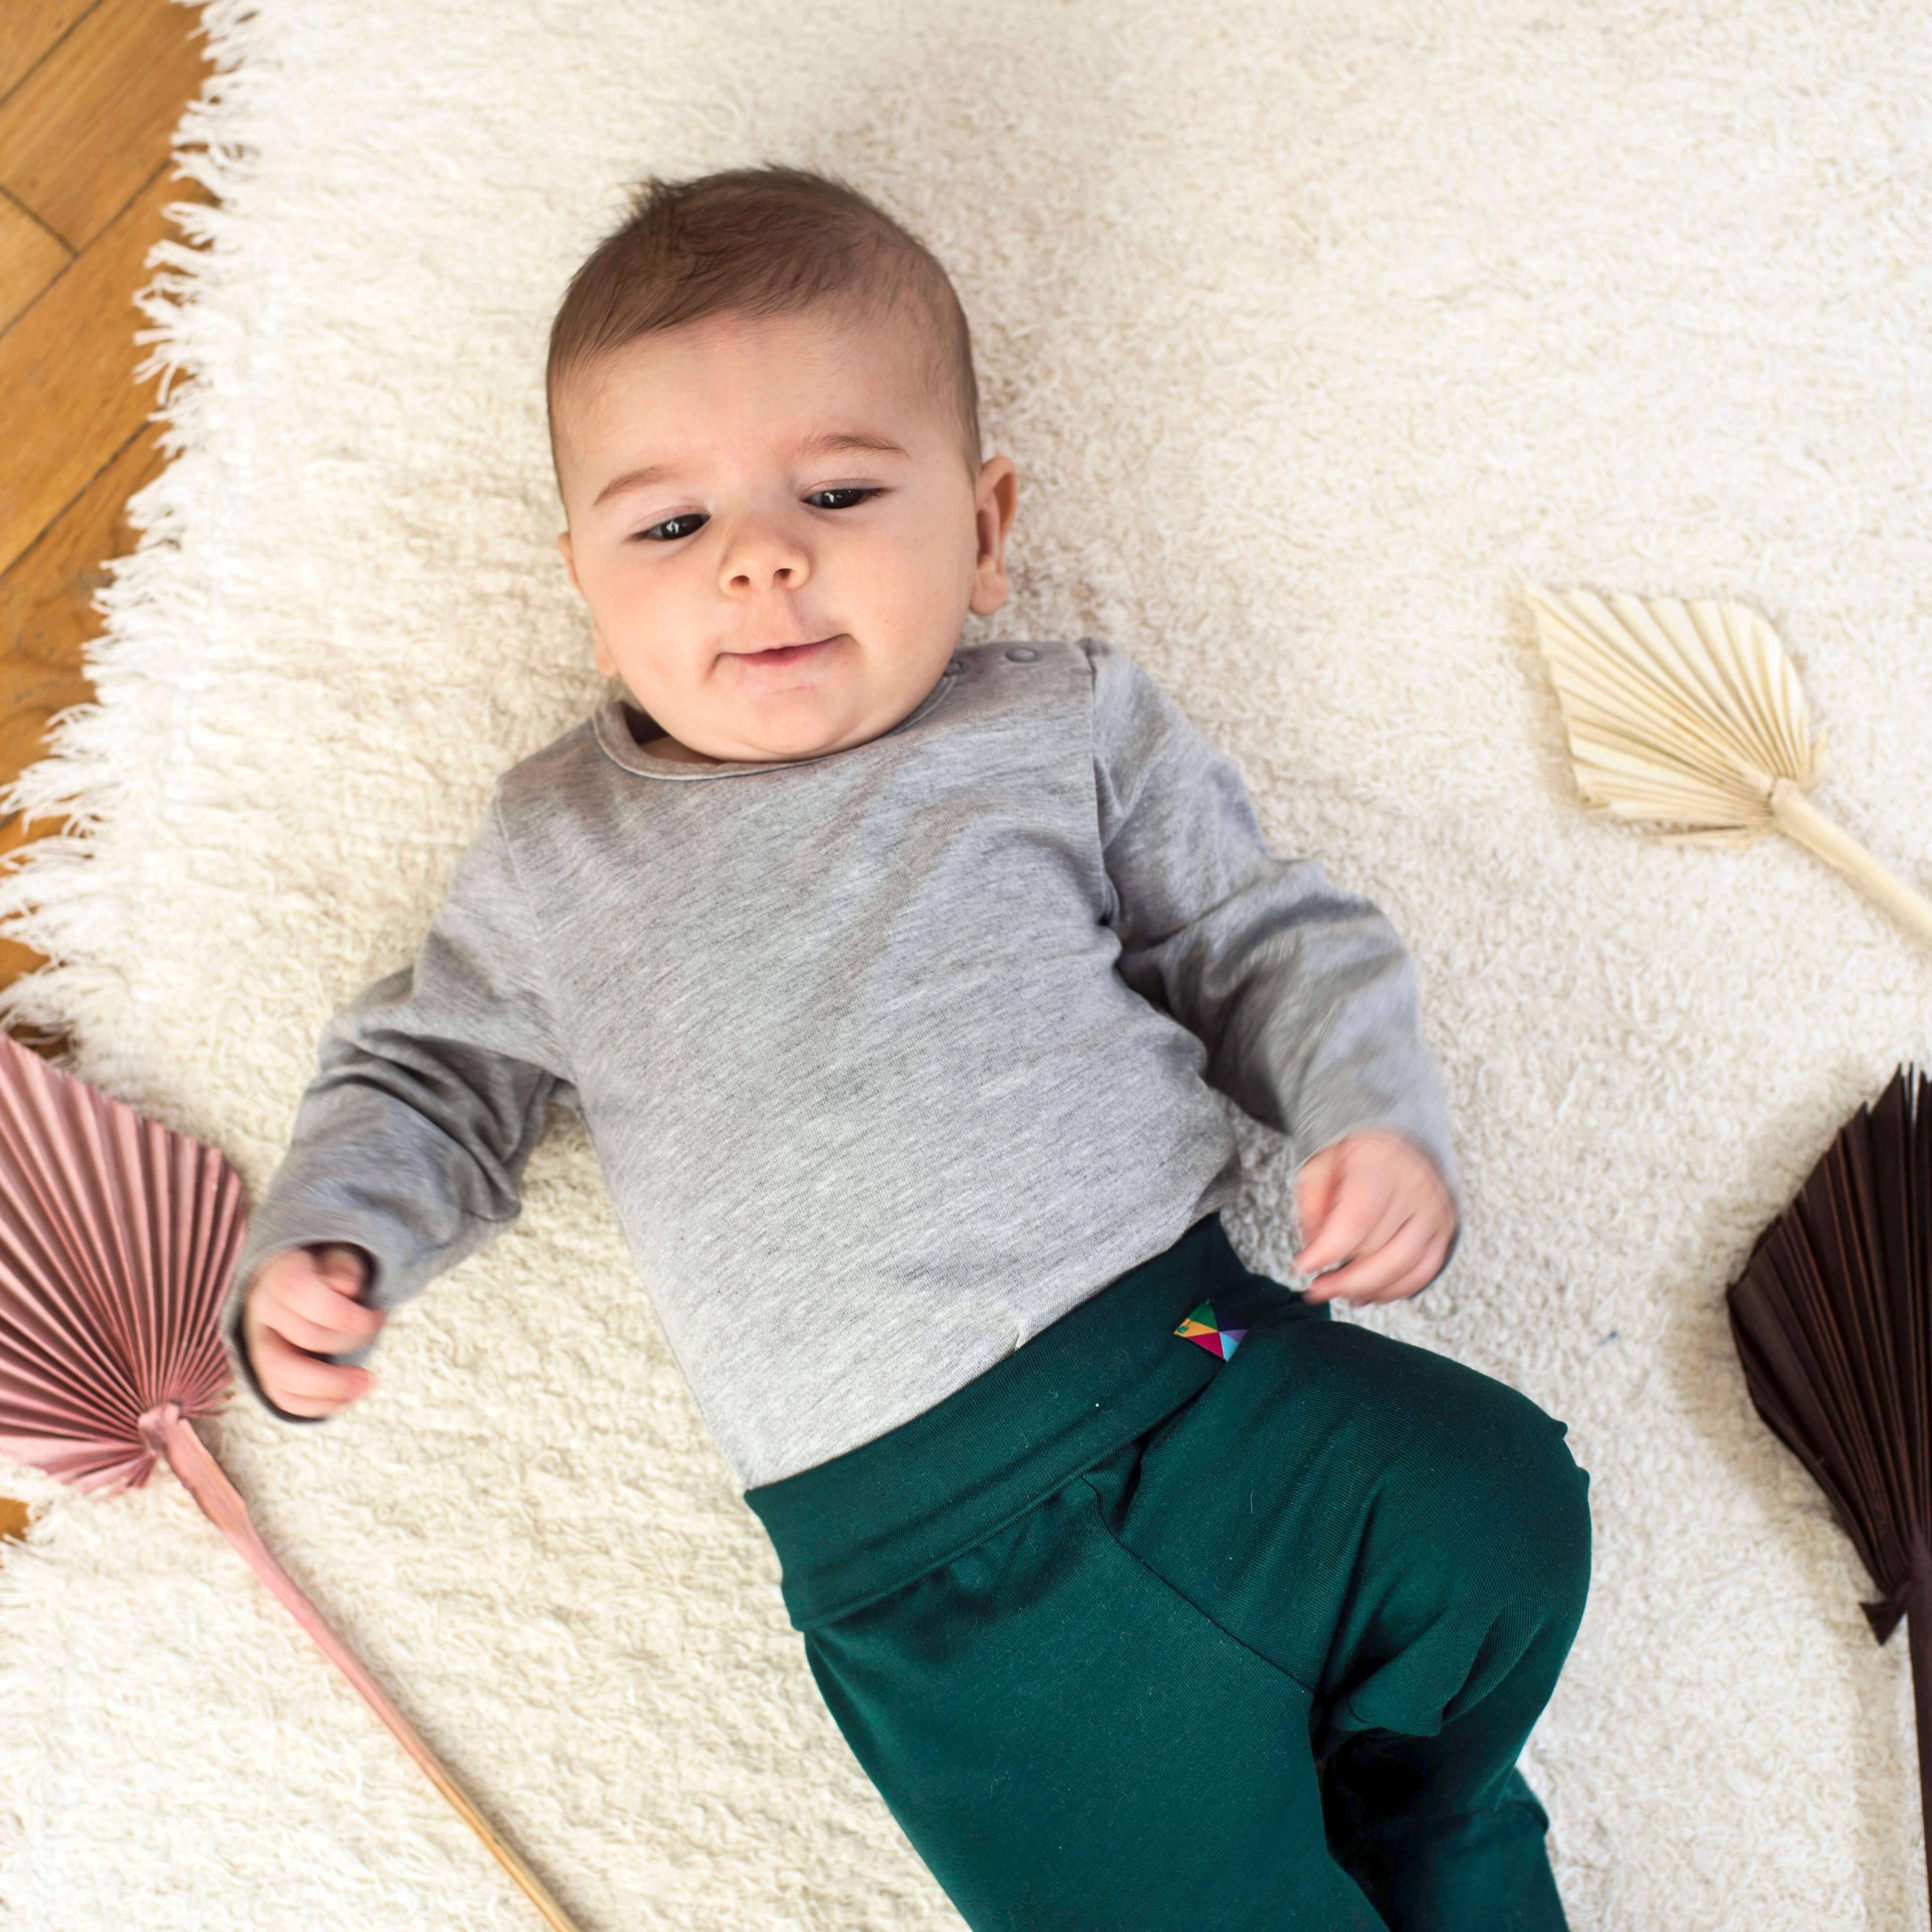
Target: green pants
{"points": [[1133, 1634]]}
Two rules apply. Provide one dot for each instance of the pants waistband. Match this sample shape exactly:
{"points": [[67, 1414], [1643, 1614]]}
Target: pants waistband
{"points": [[853, 1529]]}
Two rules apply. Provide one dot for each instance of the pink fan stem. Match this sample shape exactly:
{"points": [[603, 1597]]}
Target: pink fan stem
{"points": [[170, 1433]]}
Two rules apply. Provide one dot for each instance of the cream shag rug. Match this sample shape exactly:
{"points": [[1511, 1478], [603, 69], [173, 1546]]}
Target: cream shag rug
{"points": [[1310, 327]]}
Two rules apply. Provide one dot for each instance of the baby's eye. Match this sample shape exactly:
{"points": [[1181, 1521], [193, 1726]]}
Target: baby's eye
{"points": [[668, 532], [673, 528]]}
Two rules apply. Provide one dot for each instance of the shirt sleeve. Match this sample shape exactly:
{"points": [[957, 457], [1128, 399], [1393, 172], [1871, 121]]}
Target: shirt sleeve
{"points": [[1303, 995], [431, 1090]]}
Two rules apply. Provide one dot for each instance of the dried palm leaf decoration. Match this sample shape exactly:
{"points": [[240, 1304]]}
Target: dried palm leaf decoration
{"points": [[1832, 1318], [1689, 718], [118, 1239]]}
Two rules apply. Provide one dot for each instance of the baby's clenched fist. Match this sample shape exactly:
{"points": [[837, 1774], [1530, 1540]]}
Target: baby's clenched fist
{"points": [[302, 1305], [1375, 1201]]}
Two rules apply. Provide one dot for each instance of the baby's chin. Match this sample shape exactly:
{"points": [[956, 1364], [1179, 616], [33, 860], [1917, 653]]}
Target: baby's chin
{"points": [[805, 712], [751, 740], [766, 747]]}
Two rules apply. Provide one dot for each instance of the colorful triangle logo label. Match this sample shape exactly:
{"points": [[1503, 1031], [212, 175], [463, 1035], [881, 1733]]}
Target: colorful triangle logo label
{"points": [[1200, 1327]]}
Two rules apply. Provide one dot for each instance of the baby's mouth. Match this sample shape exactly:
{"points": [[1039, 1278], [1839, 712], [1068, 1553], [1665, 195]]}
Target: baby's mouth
{"points": [[784, 654]]}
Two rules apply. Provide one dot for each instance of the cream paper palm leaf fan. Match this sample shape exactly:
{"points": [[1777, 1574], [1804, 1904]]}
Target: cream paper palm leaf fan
{"points": [[1688, 718]]}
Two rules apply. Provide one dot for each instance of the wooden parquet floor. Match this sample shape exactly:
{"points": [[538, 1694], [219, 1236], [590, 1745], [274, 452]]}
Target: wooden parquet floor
{"points": [[91, 91]]}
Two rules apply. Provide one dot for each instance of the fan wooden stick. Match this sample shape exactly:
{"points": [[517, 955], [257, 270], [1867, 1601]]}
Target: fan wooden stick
{"points": [[118, 1239], [1690, 715]]}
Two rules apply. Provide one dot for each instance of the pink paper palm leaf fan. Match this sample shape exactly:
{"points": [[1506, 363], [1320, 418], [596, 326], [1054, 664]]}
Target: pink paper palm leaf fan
{"points": [[118, 1239]]}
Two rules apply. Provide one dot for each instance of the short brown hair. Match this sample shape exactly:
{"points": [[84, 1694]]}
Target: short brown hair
{"points": [[762, 241]]}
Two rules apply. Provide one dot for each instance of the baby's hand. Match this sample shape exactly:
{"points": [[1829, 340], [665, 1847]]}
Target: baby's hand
{"points": [[1375, 1200], [301, 1306]]}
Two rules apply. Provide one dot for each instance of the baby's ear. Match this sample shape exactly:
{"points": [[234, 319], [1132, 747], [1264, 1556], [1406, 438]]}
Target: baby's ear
{"points": [[569, 561]]}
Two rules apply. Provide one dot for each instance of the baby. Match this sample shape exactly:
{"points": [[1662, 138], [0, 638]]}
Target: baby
{"points": [[895, 979]]}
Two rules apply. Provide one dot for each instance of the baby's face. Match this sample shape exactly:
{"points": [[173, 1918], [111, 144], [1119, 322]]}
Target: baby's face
{"points": [[766, 586]]}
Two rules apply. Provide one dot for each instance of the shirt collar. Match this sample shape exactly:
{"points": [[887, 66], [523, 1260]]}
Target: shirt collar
{"points": [[614, 735]]}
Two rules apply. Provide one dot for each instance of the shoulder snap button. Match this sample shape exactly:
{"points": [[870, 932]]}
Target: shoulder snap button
{"points": [[1022, 654]]}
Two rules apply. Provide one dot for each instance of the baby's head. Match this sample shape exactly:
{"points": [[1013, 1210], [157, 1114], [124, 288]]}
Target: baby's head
{"points": [[766, 429]]}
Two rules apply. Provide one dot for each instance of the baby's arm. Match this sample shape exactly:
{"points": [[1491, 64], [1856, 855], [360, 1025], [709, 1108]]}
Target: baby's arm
{"points": [[1303, 995], [410, 1144]]}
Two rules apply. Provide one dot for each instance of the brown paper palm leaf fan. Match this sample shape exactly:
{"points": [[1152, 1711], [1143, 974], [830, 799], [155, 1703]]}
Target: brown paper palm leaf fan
{"points": [[1832, 1317], [1690, 716], [118, 1239]]}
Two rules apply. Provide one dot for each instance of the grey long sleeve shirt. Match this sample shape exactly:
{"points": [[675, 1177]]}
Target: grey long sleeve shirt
{"points": [[890, 1056]]}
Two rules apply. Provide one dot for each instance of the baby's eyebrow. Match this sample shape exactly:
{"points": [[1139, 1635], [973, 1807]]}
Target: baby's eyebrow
{"points": [[832, 442]]}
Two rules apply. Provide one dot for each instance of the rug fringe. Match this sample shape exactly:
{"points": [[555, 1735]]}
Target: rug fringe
{"points": [[57, 896]]}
